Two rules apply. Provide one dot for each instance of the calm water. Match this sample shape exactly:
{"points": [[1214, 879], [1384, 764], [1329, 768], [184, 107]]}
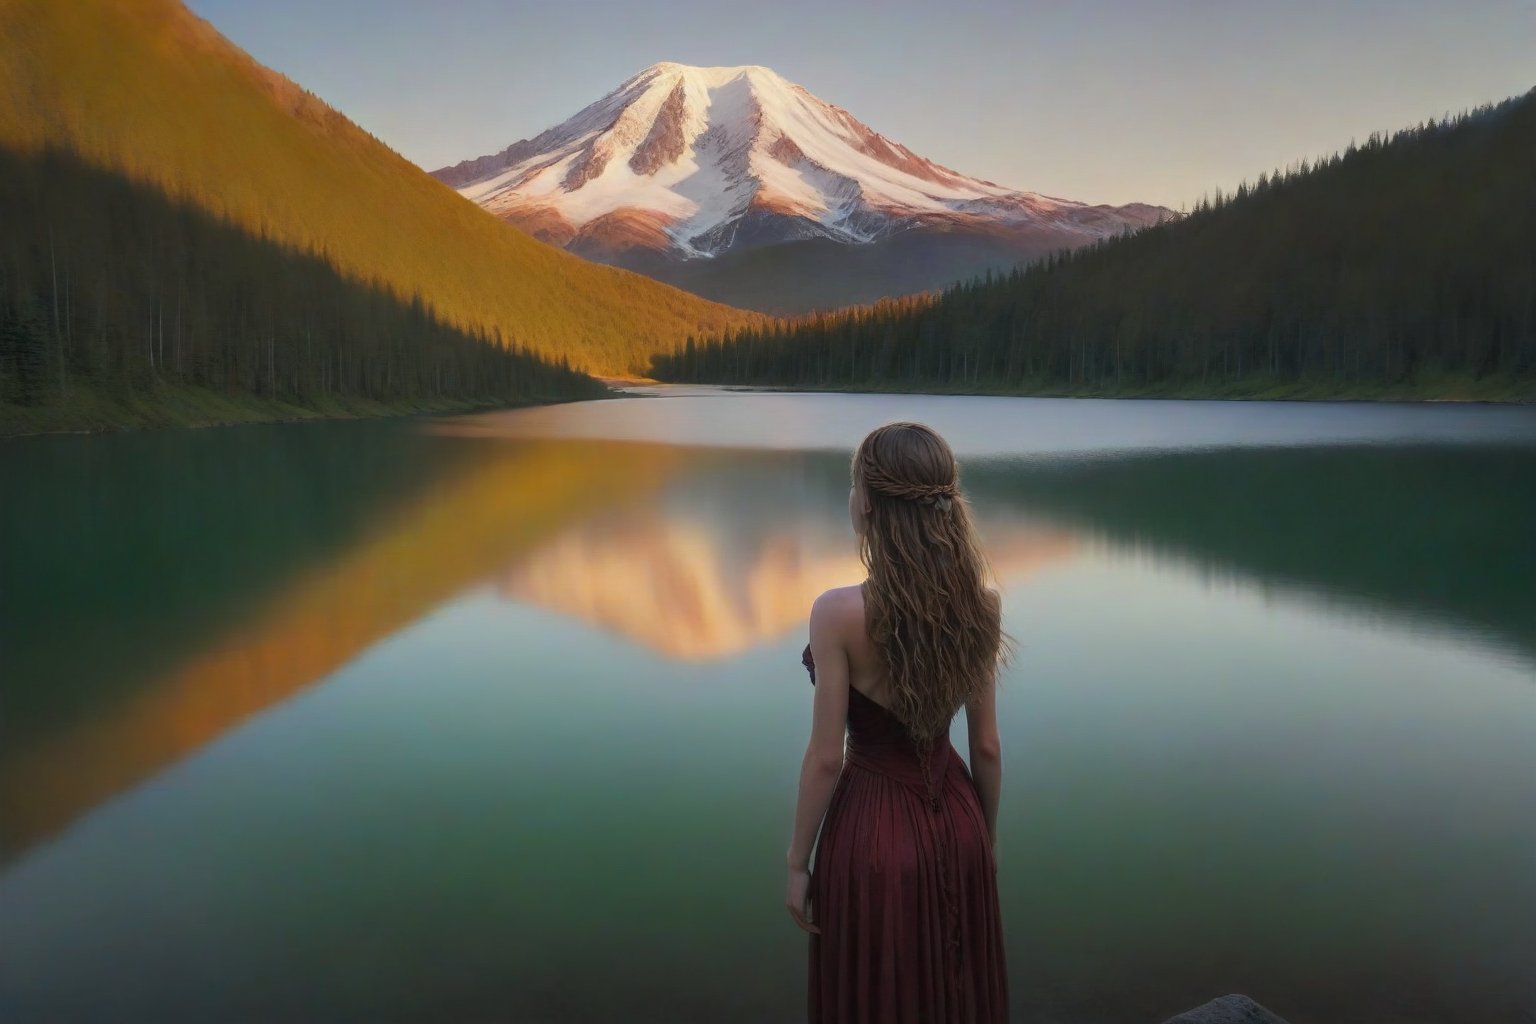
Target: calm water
{"points": [[499, 718]]}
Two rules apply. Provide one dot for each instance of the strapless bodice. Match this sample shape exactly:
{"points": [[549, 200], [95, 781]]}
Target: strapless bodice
{"points": [[880, 742]]}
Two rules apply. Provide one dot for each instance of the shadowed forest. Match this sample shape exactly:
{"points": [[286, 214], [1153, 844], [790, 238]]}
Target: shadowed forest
{"points": [[1403, 267]]}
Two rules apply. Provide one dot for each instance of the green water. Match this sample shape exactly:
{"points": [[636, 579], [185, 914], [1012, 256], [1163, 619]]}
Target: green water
{"points": [[500, 717]]}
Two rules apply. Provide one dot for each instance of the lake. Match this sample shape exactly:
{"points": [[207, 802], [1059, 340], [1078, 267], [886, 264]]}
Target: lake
{"points": [[500, 717]]}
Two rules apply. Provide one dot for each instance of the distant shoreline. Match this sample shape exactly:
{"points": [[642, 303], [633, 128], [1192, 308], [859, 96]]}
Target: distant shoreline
{"points": [[196, 408], [199, 408], [1498, 393]]}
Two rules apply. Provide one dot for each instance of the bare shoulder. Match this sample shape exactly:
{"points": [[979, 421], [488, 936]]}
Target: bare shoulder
{"points": [[839, 611], [839, 608]]}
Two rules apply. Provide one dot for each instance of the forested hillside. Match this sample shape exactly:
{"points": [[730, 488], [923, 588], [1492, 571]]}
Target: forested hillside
{"points": [[176, 215], [1403, 266], [120, 306]]}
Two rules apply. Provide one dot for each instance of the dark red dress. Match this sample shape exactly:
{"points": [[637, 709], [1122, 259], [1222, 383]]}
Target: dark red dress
{"points": [[903, 886]]}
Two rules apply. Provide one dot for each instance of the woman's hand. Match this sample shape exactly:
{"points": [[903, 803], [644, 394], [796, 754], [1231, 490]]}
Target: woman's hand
{"points": [[798, 899]]}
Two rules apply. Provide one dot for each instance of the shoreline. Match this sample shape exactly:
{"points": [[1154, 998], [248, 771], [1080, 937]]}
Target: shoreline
{"points": [[195, 408], [1501, 394], [198, 409]]}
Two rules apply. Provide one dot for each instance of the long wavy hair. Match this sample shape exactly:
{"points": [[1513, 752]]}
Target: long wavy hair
{"points": [[931, 617]]}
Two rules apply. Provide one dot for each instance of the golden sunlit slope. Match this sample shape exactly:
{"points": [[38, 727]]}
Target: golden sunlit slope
{"points": [[147, 89]]}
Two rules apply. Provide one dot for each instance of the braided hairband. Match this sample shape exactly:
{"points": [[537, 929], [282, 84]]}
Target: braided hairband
{"points": [[934, 495]]}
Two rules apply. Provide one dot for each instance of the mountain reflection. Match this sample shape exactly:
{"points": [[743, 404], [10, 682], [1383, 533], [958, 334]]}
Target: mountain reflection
{"points": [[694, 553], [434, 545], [687, 586]]}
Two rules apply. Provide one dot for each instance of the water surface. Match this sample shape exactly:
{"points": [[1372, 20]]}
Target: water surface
{"points": [[499, 717]]}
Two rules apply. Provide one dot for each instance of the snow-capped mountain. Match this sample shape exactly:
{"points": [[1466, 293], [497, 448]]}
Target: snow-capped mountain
{"points": [[686, 163]]}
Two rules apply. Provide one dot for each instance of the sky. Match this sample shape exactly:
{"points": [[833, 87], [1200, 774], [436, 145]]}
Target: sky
{"points": [[1109, 102]]}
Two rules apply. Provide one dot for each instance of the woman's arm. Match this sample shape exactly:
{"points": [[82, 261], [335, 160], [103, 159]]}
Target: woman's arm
{"points": [[986, 751], [823, 760], [986, 748]]}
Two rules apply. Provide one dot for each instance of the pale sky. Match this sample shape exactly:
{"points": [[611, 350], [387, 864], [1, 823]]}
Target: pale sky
{"points": [[1114, 102]]}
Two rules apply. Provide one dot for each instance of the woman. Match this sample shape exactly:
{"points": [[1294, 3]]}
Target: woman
{"points": [[902, 903]]}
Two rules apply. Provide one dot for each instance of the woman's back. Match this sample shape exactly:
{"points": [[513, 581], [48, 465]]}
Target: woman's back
{"points": [[866, 672]]}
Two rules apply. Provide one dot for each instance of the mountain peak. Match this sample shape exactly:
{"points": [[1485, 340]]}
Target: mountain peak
{"points": [[693, 161]]}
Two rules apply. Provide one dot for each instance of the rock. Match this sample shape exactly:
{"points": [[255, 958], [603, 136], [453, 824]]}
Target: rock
{"points": [[1228, 1009]]}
